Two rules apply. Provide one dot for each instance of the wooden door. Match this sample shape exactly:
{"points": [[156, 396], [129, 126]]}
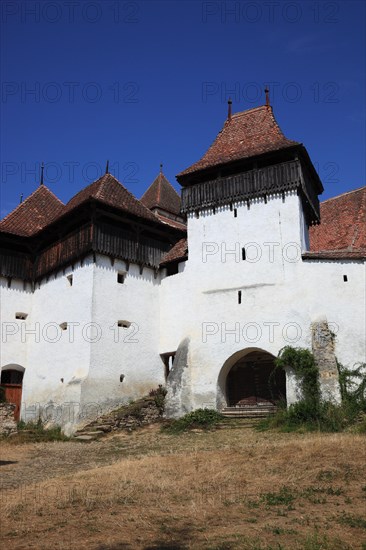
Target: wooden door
{"points": [[13, 394]]}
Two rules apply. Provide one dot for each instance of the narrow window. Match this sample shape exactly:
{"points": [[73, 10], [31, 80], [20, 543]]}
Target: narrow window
{"points": [[345, 278], [243, 256], [70, 279], [124, 324], [239, 296], [21, 316], [63, 326], [120, 278], [235, 213]]}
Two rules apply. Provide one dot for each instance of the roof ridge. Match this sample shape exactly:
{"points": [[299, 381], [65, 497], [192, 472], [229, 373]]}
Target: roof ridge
{"points": [[259, 108], [20, 206], [100, 185]]}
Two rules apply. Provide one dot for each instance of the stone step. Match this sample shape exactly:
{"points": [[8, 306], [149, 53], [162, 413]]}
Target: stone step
{"points": [[95, 433], [103, 427], [84, 438], [248, 412]]}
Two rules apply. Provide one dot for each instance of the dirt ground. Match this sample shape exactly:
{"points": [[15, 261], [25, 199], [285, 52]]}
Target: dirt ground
{"points": [[233, 488]]}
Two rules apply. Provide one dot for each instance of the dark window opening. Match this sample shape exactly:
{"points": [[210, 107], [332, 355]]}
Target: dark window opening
{"points": [[120, 278], [239, 297], [124, 324], [11, 377], [243, 256], [21, 316], [70, 279], [345, 278], [235, 213]]}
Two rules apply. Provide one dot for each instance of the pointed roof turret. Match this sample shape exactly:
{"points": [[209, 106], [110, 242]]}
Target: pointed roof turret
{"points": [[109, 190], [161, 194], [244, 135], [33, 214]]}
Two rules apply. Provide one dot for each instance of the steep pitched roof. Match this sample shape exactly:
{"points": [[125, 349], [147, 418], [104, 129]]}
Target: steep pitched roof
{"points": [[247, 134], [342, 223], [32, 215], [178, 252], [109, 190], [161, 194]]}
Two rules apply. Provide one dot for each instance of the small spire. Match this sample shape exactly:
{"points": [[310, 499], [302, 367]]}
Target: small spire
{"points": [[21, 199], [161, 168], [266, 91], [229, 104], [107, 167], [42, 174]]}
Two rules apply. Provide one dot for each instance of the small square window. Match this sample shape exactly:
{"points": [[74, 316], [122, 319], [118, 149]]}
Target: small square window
{"points": [[345, 278], [124, 324], [21, 316], [120, 278]]}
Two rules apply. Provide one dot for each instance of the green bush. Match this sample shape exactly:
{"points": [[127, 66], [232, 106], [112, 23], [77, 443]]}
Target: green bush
{"points": [[200, 418], [302, 362], [159, 397], [35, 431], [311, 413]]}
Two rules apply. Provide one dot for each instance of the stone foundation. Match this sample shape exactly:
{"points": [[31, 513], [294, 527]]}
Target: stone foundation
{"points": [[7, 423]]}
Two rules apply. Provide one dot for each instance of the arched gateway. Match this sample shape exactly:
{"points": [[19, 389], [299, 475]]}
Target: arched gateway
{"points": [[249, 378]]}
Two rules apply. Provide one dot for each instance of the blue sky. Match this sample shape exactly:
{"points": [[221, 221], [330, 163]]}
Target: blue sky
{"points": [[144, 82]]}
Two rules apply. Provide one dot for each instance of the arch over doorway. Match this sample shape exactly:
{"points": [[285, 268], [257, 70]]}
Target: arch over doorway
{"points": [[248, 378], [12, 383]]}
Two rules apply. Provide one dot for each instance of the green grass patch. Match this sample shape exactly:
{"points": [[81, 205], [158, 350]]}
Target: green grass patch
{"points": [[198, 419], [36, 431]]}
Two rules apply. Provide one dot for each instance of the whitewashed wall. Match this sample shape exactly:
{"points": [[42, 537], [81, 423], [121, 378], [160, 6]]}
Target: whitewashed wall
{"points": [[78, 371], [131, 352], [280, 294]]}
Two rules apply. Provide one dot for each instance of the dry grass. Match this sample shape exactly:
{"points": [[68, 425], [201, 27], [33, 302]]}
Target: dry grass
{"points": [[228, 489]]}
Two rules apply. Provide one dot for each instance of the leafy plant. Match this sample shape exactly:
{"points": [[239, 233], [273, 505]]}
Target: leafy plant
{"points": [[159, 397], [35, 431], [302, 362]]}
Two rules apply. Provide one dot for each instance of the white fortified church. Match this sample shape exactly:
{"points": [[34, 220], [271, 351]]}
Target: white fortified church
{"points": [[107, 296]]}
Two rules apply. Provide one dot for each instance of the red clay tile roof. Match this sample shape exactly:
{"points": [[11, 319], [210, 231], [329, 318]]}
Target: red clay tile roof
{"points": [[172, 223], [32, 215], [342, 223], [178, 252], [109, 190], [161, 194], [247, 134]]}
